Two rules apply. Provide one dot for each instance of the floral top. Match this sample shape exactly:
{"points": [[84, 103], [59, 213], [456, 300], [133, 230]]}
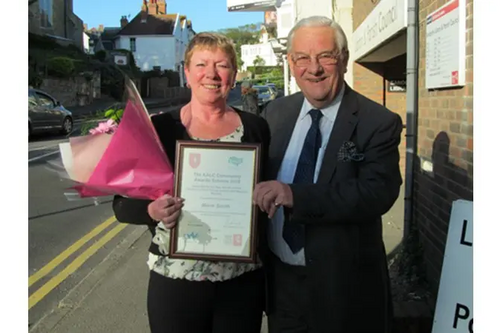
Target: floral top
{"points": [[196, 270]]}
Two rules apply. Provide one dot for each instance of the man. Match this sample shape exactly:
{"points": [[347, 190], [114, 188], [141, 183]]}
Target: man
{"points": [[249, 98], [334, 155]]}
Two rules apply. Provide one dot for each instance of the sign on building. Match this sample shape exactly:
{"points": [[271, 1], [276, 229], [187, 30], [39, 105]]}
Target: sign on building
{"points": [[121, 60], [445, 46], [384, 22], [250, 5], [454, 303]]}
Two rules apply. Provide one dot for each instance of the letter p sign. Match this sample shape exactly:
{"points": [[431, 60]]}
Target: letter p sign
{"points": [[462, 312]]}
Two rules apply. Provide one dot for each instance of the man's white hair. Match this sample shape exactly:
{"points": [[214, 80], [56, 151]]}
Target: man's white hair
{"points": [[321, 21]]}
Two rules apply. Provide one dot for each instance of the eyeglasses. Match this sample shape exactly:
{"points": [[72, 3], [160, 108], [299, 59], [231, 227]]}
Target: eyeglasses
{"points": [[324, 59]]}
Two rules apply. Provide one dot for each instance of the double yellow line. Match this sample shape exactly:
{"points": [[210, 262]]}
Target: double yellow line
{"points": [[75, 264]]}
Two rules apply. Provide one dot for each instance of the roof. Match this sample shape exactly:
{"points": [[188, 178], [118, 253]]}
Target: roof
{"points": [[158, 24], [109, 33]]}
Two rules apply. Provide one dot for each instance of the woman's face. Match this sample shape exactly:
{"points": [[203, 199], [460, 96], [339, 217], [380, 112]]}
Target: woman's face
{"points": [[210, 75]]}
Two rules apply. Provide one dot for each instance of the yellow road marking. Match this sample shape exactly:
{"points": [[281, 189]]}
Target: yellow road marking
{"points": [[69, 251], [72, 267]]}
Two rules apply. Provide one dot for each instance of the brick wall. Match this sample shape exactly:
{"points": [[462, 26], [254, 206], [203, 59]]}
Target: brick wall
{"points": [[444, 139]]}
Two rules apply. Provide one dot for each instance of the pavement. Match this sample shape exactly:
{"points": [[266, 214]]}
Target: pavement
{"points": [[112, 297]]}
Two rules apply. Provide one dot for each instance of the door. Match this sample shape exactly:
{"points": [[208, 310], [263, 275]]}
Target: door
{"points": [[51, 113], [36, 112]]}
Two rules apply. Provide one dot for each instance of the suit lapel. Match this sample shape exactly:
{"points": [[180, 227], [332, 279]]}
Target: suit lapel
{"points": [[343, 128], [283, 133]]}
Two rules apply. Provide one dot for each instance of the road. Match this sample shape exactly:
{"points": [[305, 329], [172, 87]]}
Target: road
{"points": [[67, 238]]}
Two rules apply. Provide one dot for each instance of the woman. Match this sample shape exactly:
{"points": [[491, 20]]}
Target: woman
{"points": [[193, 295]]}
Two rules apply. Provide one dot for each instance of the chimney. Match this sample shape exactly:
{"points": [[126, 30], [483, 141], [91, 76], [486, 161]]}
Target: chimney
{"points": [[101, 28], [162, 6], [152, 7], [123, 21], [85, 27]]}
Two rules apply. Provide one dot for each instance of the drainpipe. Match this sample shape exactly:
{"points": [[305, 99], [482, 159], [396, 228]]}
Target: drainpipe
{"points": [[411, 109]]}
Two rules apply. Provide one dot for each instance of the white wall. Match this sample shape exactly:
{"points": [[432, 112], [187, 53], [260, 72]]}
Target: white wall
{"points": [[151, 51], [292, 11], [264, 50], [86, 43], [342, 14]]}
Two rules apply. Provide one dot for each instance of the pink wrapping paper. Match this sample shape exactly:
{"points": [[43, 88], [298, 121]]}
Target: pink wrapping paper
{"points": [[131, 162]]}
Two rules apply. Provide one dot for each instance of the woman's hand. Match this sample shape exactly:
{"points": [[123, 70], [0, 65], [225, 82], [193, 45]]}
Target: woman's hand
{"points": [[166, 209]]}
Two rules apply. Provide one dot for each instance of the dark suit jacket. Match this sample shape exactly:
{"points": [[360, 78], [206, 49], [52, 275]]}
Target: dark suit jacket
{"points": [[170, 129], [345, 255]]}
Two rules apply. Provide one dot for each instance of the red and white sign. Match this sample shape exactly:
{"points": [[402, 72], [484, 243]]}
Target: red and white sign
{"points": [[445, 46]]}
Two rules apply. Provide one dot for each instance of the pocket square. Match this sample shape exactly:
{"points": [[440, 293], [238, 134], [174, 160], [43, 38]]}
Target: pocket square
{"points": [[349, 153]]}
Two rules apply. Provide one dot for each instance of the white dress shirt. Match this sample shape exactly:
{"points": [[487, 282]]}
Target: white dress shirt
{"points": [[287, 172]]}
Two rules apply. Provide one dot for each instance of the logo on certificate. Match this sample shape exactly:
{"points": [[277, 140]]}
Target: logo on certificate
{"points": [[454, 77], [194, 160], [237, 240], [235, 161]]}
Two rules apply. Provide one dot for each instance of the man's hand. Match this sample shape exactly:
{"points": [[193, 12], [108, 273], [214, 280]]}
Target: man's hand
{"points": [[272, 194]]}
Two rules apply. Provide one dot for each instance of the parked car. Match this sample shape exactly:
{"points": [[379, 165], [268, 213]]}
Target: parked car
{"points": [[45, 113], [266, 94]]}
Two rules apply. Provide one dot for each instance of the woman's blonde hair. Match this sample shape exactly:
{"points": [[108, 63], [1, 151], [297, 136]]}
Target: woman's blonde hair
{"points": [[211, 41]]}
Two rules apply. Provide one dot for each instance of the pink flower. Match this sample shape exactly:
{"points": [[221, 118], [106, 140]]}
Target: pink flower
{"points": [[107, 127]]}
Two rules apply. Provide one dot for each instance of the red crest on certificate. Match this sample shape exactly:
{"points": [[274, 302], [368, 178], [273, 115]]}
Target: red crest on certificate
{"points": [[194, 160], [237, 240]]}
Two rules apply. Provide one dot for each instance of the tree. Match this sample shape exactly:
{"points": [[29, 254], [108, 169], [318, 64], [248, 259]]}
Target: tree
{"points": [[30, 2], [247, 34], [258, 61]]}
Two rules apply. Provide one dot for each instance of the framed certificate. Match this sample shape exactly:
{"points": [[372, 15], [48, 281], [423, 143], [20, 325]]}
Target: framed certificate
{"points": [[218, 220]]}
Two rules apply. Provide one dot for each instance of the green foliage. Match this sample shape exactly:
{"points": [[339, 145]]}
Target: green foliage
{"points": [[61, 67], [258, 61], [247, 34], [100, 55], [259, 70], [114, 114]]}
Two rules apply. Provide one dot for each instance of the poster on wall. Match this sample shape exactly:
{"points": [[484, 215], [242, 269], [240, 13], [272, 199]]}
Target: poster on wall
{"points": [[445, 46], [454, 303]]}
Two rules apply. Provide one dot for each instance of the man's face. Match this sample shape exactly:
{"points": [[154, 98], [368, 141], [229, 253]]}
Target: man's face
{"points": [[316, 64]]}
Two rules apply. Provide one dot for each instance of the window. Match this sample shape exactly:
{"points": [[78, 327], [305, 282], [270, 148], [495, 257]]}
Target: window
{"points": [[31, 99], [132, 45], [46, 13], [45, 100]]}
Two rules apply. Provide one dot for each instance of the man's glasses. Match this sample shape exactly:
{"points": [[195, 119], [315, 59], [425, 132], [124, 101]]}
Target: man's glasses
{"points": [[324, 59]]}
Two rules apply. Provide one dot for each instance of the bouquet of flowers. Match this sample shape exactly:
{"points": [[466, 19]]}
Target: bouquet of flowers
{"points": [[122, 155]]}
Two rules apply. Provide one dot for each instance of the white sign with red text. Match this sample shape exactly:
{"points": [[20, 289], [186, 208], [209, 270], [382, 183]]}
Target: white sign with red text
{"points": [[445, 46]]}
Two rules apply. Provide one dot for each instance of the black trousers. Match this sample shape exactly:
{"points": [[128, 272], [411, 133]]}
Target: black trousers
{"points": [[183, 306], [289, 298]]}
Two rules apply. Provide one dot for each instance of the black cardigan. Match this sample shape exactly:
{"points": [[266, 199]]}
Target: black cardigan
{"points": [[170, 129]]}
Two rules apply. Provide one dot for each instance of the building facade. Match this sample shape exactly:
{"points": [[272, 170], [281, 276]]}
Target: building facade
{"points": [[288, 13], [264, 50], [55, 18], [157, 40], [441, 171]]}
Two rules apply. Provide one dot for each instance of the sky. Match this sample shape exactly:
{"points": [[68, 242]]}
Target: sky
{"points": [[206, 15]]}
